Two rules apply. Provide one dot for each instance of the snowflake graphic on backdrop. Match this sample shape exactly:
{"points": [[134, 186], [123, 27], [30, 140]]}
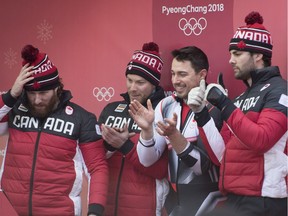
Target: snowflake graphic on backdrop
{"points": [[44, 31], [10, 58]]}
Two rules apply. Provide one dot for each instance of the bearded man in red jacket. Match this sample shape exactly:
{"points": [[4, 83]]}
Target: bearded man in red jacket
{"points": [[49, 137]]}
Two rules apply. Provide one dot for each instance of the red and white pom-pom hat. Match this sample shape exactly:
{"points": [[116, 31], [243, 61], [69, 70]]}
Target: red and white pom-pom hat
{"points": [[253, 37]]}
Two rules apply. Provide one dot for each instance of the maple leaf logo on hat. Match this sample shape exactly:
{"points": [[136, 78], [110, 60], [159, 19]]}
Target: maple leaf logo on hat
{"points": [[253, 37], [45, 72], [36, 85], [241, 44]]}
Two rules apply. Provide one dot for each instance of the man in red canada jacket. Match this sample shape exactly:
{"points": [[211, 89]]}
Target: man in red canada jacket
{"points": [[134, 189], [49, 137], [252, 147]]}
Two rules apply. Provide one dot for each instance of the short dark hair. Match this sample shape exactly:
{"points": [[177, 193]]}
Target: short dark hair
{"points": [[266, 59], [196, 56]]}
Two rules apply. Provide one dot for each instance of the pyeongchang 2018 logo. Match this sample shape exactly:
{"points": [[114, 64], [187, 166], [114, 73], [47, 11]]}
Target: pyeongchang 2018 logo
{"points": [[192, 25], [103, 93]]}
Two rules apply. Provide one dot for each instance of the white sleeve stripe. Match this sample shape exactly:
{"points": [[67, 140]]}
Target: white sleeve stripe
{"points": [[4, 110], [214, 139]]}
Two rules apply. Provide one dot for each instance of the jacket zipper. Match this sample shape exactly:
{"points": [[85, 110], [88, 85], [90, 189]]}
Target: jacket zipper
{"points": [[118, 186], [224, 166], [224, 159], [177, 186], [179, 160], [33, 170]]}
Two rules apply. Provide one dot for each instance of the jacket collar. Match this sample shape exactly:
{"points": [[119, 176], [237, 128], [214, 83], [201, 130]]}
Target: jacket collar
{"points": [[264, 74]]}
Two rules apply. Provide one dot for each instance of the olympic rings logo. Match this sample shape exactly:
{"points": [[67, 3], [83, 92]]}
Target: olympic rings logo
{"points": [[192, 26], [103, 93]]}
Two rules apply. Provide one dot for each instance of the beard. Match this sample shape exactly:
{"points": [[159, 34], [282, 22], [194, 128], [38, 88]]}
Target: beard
{"points": [[43, 110], [244, 72]]}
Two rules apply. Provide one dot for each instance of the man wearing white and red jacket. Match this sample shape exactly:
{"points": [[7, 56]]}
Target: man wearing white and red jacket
{"points": [[171, 127], [252, 147], [51, 140]]}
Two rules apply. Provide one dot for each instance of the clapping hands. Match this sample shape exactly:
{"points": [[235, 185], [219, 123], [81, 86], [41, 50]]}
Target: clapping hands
{"points": [[143, 116]]}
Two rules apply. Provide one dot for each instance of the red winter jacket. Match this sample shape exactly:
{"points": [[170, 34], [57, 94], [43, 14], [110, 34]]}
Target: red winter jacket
{"points": [[253, 151], [43, 163], [134, 190]]}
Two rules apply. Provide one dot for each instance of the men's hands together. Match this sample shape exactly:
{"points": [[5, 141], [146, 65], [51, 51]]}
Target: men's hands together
{"points": [[214, 93], [116, 137], [144, 117], [168, 127]]}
